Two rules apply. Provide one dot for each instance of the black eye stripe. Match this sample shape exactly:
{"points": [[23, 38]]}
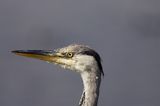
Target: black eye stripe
{"points": [[96, 56]]}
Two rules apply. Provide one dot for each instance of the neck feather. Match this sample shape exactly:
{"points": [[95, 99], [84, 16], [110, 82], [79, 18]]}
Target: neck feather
{"points": [[91, 83]]}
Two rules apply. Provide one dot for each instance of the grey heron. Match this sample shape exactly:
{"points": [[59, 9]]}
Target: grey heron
{"points": [[78, 58]]}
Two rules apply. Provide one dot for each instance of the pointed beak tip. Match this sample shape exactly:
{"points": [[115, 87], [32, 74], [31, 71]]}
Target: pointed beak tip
{"points": [[13, 51]]}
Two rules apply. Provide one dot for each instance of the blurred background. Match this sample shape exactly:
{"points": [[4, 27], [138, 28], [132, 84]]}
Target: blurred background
{"points": [[126, 33]]}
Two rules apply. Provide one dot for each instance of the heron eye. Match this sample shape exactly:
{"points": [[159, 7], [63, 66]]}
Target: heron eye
{"points": [[69, 54]]}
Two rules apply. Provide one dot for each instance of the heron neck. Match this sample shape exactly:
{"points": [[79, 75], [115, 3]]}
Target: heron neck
{"points": [[91, 83]]}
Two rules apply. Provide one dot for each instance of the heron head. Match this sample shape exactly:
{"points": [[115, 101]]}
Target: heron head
{"points": [[74, 57]]}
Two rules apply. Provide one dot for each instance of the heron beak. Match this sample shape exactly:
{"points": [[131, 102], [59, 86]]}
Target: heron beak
{"points": [[46, 55]]}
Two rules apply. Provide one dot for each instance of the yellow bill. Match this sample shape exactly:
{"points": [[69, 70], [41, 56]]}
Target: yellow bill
{"points": [[46, 55]]}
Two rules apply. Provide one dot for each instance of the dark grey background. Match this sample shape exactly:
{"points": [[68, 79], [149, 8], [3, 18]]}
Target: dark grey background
{"points": [[126, 33]]}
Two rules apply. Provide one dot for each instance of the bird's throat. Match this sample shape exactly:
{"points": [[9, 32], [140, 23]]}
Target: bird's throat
{"points": [[91, 83]]}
